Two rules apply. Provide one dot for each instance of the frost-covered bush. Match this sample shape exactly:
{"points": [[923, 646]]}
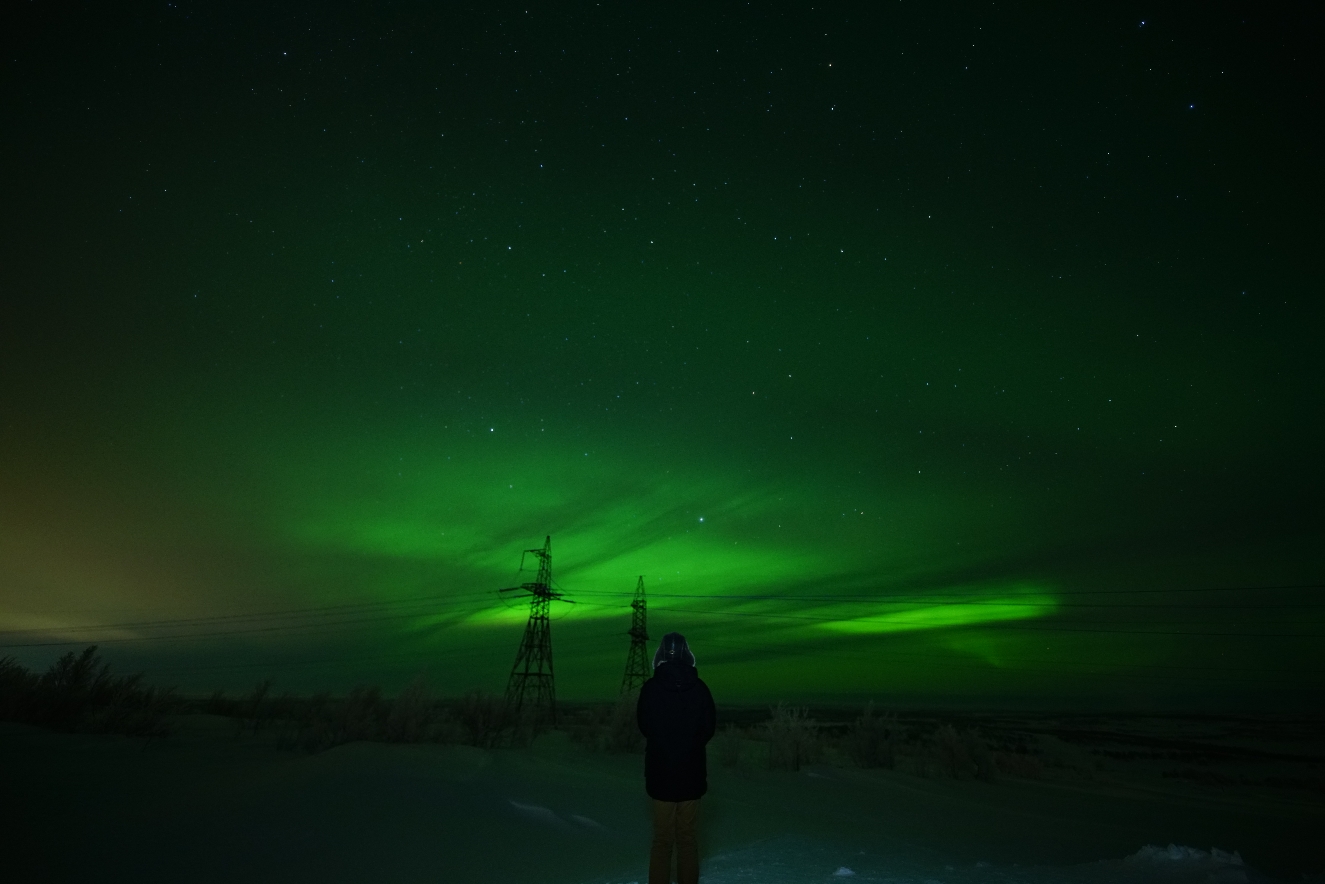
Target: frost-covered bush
{"points": [[870, 741], [364, 714], [480, 717], [254, 710], [1019, 764], [951, 753], [219, 704], [414, 714], [623, 734], [79, 693], [315, 726], [322, 721], [134, 710], [792, 736], [963, 755], [18, 687], [978, 751]]}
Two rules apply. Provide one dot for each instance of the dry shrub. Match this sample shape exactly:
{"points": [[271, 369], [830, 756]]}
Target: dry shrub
{"points": [[623, 733], [73, 686], [1018, 764], [315, 725], [519, 728], [480, 717], [219, 704], [133, 710], [963, 755], [18, 687], [254, 710], [79, 693], [792, 736], [413, 714], [870, 741], [363, 714]]}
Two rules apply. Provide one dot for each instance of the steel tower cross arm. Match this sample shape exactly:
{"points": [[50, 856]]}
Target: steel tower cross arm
{"points": [[542, 584]]}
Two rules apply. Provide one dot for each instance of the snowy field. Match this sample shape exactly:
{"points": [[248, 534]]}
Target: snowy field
{"points": [[793, 860], [202, 806]]}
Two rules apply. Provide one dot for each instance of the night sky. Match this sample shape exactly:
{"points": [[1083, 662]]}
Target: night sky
{"points": [[933, 356]]}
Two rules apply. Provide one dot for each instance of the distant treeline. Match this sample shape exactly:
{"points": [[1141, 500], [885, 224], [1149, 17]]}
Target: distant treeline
{"points": [[312, 724], [787, 739], [79, 693]]}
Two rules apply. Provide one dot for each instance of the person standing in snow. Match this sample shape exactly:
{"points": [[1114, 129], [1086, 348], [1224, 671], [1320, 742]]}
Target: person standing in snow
{"points": [[677, 717]]}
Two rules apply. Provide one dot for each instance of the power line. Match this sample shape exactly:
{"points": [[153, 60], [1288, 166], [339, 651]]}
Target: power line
{"points": [[967, 658], [315, 627], [458, 654], [920, 596], [996, 603], [328, 610], [256, 615], [996, 624], [424, 655], [320, 626], [967, 662]]}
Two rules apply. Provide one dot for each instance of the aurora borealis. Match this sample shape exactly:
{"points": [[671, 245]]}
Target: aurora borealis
{"points": [[931, 356]]}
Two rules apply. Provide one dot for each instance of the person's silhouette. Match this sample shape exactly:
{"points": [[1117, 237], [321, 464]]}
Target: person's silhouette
{"points": [[677, 717]]}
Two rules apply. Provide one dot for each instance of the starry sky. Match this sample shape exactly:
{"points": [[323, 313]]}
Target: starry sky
{"points": [[964, 355]]}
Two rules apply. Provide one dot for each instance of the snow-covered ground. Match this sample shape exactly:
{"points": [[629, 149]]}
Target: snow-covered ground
{"points": [[205, 807], [795, 861]]}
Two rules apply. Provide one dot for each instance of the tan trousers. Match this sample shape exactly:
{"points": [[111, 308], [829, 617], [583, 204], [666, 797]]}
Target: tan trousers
{"points": [[674, 824]]}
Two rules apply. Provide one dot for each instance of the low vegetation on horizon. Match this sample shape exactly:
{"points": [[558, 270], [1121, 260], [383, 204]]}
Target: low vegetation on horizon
{"points": [[78, 693]]}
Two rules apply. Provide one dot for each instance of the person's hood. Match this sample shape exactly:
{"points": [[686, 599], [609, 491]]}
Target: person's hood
{"points": [[674, 648], [676, 676]]}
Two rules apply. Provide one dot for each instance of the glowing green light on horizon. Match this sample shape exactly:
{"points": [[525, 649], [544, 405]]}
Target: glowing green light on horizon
{"points": [[967, 612], [759, 539]]}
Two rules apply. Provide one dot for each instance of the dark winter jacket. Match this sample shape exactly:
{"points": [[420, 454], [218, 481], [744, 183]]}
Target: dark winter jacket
{"points": [[677, 717]]}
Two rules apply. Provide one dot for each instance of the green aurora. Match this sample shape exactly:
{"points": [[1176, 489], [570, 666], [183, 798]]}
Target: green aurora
{"points": [[928, 361]]}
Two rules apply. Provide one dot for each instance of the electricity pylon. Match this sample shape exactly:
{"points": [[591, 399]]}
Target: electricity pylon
{"points": [[637, 661], [531, 676]]}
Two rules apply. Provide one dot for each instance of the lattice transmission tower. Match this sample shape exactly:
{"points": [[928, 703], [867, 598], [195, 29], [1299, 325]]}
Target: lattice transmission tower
{"points": [[531, 676], [637, 661]]}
